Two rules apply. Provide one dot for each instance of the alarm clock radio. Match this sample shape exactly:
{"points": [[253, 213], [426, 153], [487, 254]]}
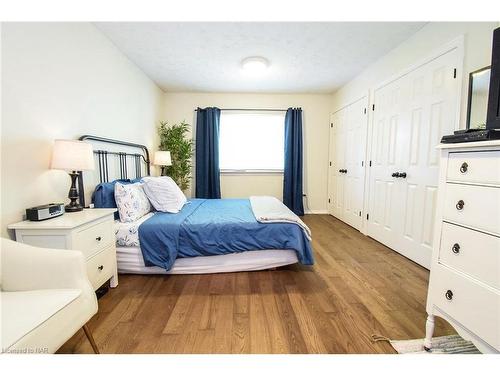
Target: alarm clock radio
{"points": [[44, 212]]}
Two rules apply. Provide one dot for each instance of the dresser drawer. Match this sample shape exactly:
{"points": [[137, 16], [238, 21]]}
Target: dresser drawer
{"points": [[471, 304], [474, 253], [474, 206], [95, 238], [481, 167], [101, 266]]}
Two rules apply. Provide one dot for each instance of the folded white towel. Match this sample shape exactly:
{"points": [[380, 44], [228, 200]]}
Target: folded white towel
{"points": [[271, 210]]}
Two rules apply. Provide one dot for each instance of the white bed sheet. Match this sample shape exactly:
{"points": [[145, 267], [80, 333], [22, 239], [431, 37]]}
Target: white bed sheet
{"points": [[130, 260]]}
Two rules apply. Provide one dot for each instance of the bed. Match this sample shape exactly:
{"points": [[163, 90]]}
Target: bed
{"points": [[207, 235]]}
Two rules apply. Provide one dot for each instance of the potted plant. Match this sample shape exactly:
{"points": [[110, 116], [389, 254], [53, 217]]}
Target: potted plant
{"points": [[174, 138]]}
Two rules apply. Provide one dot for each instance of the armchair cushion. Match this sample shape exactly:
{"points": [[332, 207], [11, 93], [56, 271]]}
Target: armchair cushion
{"points": [[23, 312]]}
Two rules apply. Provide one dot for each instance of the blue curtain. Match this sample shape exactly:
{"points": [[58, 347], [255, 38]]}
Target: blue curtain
{"points": [[207, 153], [292, 181]]}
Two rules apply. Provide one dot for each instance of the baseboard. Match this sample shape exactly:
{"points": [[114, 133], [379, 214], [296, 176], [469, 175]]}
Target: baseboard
{"points": [[316, 212]]}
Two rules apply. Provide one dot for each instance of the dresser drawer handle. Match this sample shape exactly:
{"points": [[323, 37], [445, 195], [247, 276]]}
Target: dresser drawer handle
{"points": [[460, 205], [100, 268], [463, 167], [449, 295], [456, 248], [98, 238]]}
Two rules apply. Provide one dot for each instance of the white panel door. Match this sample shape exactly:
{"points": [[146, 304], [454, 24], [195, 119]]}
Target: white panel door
{"points": [[411, 114], [331, 166], [432, 114], [354, 168], [347, 157], [388, 144], [339, 135]]}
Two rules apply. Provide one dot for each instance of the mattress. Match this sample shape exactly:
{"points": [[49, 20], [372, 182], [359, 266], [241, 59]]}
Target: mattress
{"points": [[129, 259]]}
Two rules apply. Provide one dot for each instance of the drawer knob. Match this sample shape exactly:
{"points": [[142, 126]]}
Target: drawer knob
{"points": [[98, 238], [449, 295], [456, 248], [463, 167], [460, 205], [100, 268]]}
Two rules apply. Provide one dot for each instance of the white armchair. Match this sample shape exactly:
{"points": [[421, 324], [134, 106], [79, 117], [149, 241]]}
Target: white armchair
{"points": [[45, 298]]}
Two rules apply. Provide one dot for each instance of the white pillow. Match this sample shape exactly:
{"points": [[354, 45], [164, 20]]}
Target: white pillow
{"points": [[164, 194], [131, 202]]}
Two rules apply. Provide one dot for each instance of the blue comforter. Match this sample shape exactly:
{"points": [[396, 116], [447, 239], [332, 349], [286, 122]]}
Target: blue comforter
{"points": [[215, 227]]}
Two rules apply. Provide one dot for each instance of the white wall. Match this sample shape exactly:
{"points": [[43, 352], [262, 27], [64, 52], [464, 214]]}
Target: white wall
{"points": [[62, 80], [316, 108], [477, 54]]}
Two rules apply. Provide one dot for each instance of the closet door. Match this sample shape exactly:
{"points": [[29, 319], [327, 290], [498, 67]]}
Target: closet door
{"points": [[432, 107], [388, 145], [411, 114], [347, 157], [331, 166], [339, 135], [355, 153]]}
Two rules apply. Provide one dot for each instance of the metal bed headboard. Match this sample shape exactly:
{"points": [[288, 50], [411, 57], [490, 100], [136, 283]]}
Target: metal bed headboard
{"points": [[104, 157]]}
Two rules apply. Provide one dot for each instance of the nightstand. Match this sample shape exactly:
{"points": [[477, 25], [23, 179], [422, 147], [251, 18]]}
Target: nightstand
{"points": [[90, 231]]}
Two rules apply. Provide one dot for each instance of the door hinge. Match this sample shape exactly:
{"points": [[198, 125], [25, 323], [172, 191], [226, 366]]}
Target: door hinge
{"points": [[364, 111], [373, 107], [367, 216], [370, 163], [455, 73], [330, 164], [331, 124], [359, 213], [328, 200], [362, 163]]}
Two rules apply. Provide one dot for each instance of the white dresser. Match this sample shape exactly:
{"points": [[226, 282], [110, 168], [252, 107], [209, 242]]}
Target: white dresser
{"points": [[90, 231], [464, 285]]}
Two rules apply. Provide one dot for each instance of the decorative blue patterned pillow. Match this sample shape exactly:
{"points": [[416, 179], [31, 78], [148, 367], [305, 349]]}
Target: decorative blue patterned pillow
{"points": [[104, 194], [131, 201]]}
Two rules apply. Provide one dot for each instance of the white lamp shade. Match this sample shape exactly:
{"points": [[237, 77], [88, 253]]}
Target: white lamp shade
{"points": [[72, 155], [162, 158]]}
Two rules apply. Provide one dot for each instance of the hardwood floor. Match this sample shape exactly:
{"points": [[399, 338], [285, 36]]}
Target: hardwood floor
{"points": [[357, 287]]}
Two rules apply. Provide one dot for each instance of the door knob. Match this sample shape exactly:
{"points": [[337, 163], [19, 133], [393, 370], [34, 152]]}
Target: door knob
{"points": [[402, 174], [455, 248], [464, 167], [460, 205], [100, 268], [449, 295], [395, 174]]}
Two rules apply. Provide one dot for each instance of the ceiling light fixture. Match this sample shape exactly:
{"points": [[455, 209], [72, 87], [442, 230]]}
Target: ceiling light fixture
{"points": [[255, 64]]}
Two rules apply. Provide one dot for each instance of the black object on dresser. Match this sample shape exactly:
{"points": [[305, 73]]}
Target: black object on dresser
{"points": [[492, 130]]}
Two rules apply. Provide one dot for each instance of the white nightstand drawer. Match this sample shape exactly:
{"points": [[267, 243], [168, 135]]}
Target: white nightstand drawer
{"points": [[101, 266], [474, 167], [95, 238], [471, 252], [474, 306], [474, 206]]}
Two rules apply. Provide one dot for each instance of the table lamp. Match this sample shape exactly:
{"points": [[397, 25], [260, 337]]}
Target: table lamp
{"points": [[72, 156], [163, 159]]}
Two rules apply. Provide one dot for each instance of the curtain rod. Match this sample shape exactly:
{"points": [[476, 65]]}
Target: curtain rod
{"points": [[251, 109]]}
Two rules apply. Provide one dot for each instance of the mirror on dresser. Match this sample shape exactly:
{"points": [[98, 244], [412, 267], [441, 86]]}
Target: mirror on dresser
{"points": [[479, 82]]}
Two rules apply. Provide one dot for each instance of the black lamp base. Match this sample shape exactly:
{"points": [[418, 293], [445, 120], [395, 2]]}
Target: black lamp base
{"points": [[70, 208], [73, 206]]}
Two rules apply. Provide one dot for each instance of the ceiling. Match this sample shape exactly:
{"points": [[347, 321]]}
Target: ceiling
{"points": [[305, 57]]}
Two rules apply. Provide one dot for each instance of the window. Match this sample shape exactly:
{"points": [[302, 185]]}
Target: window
{"points": [[252, 141]]}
